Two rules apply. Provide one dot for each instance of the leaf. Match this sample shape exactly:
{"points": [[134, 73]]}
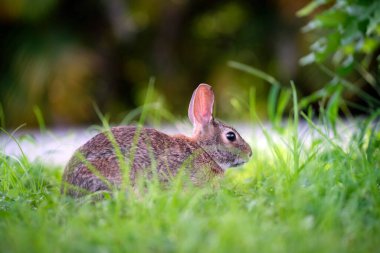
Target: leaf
{"points": [[374, 23], [272, 101], [332, 109], [349, 49], [283, 101], [332, 18], [346, 66], [253, 71], [308, 59], [40, 118], [369, 45], [312, 98], [312, 25], [332, 45], [312, 6]]}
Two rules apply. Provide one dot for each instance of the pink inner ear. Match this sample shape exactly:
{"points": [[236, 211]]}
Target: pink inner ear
{"points": [[203, 104]]}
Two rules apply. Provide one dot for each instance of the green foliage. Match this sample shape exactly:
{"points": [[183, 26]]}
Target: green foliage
{"points": [[347, 31], [346, 48], [347, 40], [305, 193]]}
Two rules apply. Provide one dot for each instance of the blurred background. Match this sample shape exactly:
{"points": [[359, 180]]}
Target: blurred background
{"points": [[60, 57]]}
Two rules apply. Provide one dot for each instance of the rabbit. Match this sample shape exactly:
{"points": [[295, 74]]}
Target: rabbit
{"points": [[212, 148]]}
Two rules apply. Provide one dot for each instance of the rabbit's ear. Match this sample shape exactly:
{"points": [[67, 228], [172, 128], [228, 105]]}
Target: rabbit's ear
{"points": [[201, 105]]}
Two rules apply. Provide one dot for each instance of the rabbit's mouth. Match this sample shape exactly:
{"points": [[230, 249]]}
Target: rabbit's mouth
{"points": [[237, 164], [232, 163]]}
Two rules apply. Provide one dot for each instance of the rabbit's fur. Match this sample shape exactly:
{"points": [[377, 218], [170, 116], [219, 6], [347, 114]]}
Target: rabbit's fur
{"points": [[96, 165]]}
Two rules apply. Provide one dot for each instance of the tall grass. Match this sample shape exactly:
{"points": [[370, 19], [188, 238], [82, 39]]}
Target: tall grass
{"points": [[310, 192]]}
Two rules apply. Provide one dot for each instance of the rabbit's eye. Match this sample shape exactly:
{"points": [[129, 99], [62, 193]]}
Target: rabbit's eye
{"points": [[231, 136]]}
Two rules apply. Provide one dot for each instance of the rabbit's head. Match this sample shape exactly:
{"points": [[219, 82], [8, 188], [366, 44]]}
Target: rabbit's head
{"points": [[222, 142]]}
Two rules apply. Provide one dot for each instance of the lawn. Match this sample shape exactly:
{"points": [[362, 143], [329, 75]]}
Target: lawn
{"points": [[309, 191]]}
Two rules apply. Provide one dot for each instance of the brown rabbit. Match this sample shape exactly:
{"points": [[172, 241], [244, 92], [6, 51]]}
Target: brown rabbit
{"points": [[211, 149]]}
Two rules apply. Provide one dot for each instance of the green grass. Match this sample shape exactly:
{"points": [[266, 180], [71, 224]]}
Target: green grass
{"points": [[317, 191], [322, 197]]}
